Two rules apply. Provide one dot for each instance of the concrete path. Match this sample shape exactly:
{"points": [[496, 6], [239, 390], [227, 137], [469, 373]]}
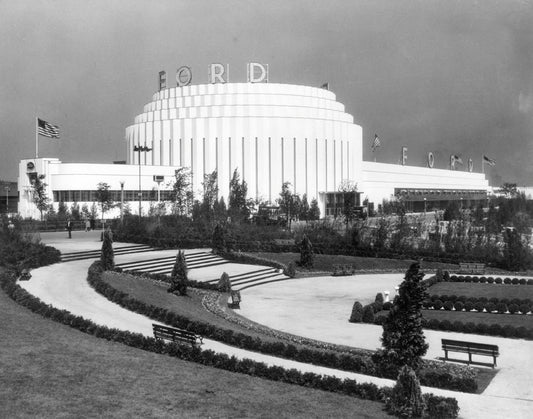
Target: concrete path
{"points": [[64, 286]]}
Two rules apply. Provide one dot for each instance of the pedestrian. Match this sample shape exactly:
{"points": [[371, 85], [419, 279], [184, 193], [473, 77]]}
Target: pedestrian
{"points": [[11, 227], [69, 228], [87, 225], [93, 223]]}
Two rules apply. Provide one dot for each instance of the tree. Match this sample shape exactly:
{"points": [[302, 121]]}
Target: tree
{"points": [[357, 313], [219, 243], [509, 190], [403, 339], [306, 253], [304, 208], [107, 256], [86, 214], [238, 204], [104, 198], [224, 283], [314, 211], [178, 277], [406, 399], [289, 203], [39, 196], [182, 194], [516, 255], [220, 211], [75, 211], [62, 211]]}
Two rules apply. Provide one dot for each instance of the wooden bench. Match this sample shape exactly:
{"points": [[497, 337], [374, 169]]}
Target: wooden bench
{"points": [[470, 348], [25, 275], [341, 270], [235, 299], [176, 335], [472, 268]]}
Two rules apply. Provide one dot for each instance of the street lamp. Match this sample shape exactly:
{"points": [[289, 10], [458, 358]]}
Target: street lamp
{"points": [[140, 148], [7, 189], [121, 201], [425, 207]]}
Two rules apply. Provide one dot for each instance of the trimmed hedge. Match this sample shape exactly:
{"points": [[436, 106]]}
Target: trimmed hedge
{"points": [[489, 280], [491, 305], [207, 357]]}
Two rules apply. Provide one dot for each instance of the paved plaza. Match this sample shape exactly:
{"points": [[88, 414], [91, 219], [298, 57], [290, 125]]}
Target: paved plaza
{"points": [[317, 308]]}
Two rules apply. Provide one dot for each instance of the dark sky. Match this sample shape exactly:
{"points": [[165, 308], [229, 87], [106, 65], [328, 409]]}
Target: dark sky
{"points": [[451, 77]]}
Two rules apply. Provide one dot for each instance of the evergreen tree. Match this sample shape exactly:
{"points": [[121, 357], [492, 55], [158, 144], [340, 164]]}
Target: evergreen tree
{"points": [[62, 211], [516, 256], [314, 211], [178, 277], [224, 283], [220, 211], [406, 400], [357, 313], [75, 211], [238, 205], [182, 195], [304, 208], [39, 194], [107, 256], [306, 253], [403, 339], [219, 243]]}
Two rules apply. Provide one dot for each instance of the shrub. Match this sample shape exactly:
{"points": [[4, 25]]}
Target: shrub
{"points": [[523, 281], [377, 306], [475, 279], [379, 298], [462, 298], [469, 306], [387, 306], [357, 313], [515, 281], [437, 305], [107, 256], [457, 326], [406, 398], [224, 283], [368, 314], [291, 270], [460, 278], [434, 297], [495, 329], [307, 255], [507, 281], [445, 325], [494, 300], [433, 324], [444, 298], [481, 328], [448, 305], [452, 298], [468, 278], [483, 279], [513, 308], [498, 280], [490, 307], [524, 308], [446, 276], [530, 282], [469, 327], [459, 306], [490, 280], [479, 306], [438, 407], [453, 278], [501, 307]]}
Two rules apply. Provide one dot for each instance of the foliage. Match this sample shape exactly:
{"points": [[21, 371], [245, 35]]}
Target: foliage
{"points": [[368, 314], [516, 255], [357, 313], [224, 283], [39, 195], [178, 277], [182, 194], [403, 339], [219, 242], [238, 204], [107, 256], [406, 400], [104, 198], [291, 270], [314, 211], [306, 253]]}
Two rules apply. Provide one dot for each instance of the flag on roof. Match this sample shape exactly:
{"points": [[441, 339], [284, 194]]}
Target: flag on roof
{"points": [[325, 86], [376, 143], [458, 159], [489, 161], [46, 129]]}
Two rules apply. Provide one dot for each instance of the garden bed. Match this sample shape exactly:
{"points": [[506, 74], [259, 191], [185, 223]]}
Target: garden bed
{"points": [[473, 289]]}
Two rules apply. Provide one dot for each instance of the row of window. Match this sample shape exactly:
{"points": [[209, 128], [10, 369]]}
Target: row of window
{"points": [[129, 195]]}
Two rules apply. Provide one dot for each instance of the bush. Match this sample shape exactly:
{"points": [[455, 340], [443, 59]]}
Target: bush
{"points": [[501, 307], [515, 281], [459, 306], [479, 306], [507, 281], [224, 283], [448, 305], [469, 306], [452, 298], [483, 279], [498, 280], [387, 306], [406, 399], [357, 313], [379, 298], [523, 281], [481, 328], [490, 280], [475, 279], [469, 327], [490, 307], [524, 308], [438, 407], [530, 282], [513, 308], [468, 278], [368, 314], [437, 305], [446, 276], [291, 270], [495, 329]]}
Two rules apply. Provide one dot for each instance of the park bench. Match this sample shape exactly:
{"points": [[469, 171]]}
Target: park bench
{"points": [[235, 299], [25, 275], [340, 270], [470, 348], [472, 268], [176, 335]]}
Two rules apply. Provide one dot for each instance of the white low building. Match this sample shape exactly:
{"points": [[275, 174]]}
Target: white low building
{"points": [[270, 133]]}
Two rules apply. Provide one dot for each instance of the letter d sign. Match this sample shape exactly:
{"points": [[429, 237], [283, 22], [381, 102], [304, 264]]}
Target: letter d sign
{"points": [[257, 73]]}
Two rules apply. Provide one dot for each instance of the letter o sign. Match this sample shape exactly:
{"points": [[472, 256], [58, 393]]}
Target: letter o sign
{"points": [[183, 76], [470, 165], [431, 160]]}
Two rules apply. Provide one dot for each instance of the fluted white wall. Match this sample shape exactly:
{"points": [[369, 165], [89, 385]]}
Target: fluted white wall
{"points": [[271, 133]]}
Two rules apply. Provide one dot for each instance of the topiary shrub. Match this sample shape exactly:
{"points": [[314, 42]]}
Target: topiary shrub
{"points": [[377, 306], [448, 305], [524, 308], [460, 278], [469, 306], [433, 324], [530, 282], [438, 407], [453, 278], [452, 298], [462, 298], [523, 281], [515, 281], [490, 280], [445, 325], [490, 307], [457, 326], [439, 277], [501, 308], [368, 314], [498, 280], [495, 329], [483, 279], [387, 306], [479, 306], [357, 313], [475, 279], [224, 283], [307, 255], [459, 306], [507, 281], [437, 305], [513, 308], [494, 300], [291, 270], [468, 278], [434, 297], [406, 398], [107, 256], [379, 298], [469, 327], [481, 328]]}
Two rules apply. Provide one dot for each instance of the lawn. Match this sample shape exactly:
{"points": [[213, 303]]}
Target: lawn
{"points": [[325, 263], [50, 370], [471, 289]]}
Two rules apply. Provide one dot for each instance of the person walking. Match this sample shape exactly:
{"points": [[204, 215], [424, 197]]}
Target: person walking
{"points": [[69, 228], [87, 225]]}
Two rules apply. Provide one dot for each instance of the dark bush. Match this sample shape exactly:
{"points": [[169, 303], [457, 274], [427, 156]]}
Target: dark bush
{"points": [[448, 305], [438, 407], [453, 278], [490, 307], [357, 313], [387, 306], [495, 329], [426, 304], [368, 314], [530, 282], [460, 278], [475, 279], [469, 306], [446, 276], [457, 326], [437, 305], [379, 298], [435, 297], [523, 281], [479, 306], [498, 280], [483, 279], [445, 325], [494, 300], [459, 306], [469, 327], [481, 328], [501, 307], [490, 280], [515, 281], [444, 298], [462, 298], [507, 281], [513, 308], [524, 308], [452, 298]]}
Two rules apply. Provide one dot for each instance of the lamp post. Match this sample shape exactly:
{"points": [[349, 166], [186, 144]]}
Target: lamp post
{"points": [[140, 148], [425, 206], [122, 202]]}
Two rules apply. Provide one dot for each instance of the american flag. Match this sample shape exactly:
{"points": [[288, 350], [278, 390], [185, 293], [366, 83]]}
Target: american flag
{"points": [[376, 143], [458, 159], [489, 161], [47, 129]]}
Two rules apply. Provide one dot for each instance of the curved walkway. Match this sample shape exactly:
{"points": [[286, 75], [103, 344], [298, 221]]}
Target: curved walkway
{"points": [[65, 286]]}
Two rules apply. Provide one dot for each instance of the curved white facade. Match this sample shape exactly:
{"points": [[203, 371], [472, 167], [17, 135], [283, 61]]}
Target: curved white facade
{"points": [[271, 133]]}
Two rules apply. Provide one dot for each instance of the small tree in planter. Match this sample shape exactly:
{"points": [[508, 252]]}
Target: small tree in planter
{"points": [[224, 283], [178, 278], [107, 256], [306, 253], [406, 400]]}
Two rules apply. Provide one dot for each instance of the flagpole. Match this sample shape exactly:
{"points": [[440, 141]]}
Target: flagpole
{"points": [[36, 138], [483, 164]]}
